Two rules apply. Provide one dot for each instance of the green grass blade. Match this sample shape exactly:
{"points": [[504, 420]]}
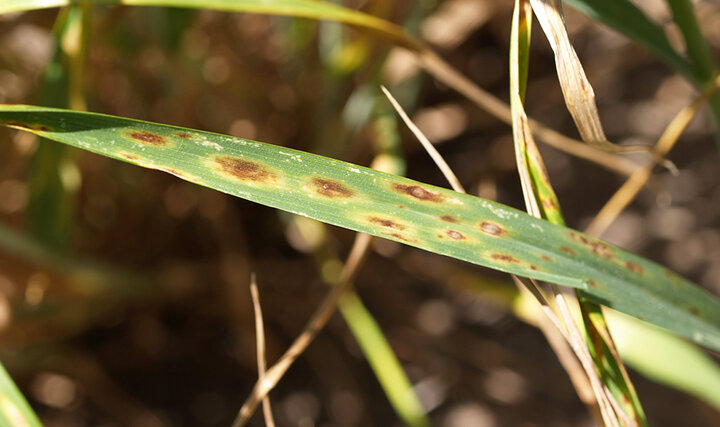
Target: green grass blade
{"points": [[702, 61], [299, 8], [383, 360], [361, 199], [628, 19], [14, 409], [697, 48], [53, 175]]}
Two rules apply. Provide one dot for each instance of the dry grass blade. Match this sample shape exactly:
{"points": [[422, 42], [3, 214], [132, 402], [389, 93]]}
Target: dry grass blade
{"points": [[578, 93], [559, 344], [522, 136], [629, 190], [576, 89], [260, 342], [583, 353], [436, 156], [311, 330]]}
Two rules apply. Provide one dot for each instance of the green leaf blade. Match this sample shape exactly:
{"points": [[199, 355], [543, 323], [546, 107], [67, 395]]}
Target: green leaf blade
{"points": [[14, 409], [312, 9], [628, 19], [421, 215]]}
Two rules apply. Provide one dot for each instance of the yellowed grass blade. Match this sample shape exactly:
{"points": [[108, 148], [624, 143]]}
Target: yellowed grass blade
{"points": [[260, 344]]}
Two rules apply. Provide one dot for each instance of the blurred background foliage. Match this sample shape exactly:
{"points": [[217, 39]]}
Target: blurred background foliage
{"points": [[150, 323]]}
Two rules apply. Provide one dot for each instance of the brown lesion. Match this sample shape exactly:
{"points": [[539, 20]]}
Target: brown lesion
{"points": [[400, 237], [388, 223], [449, 218], [505, 257], [243, 169], [331, 188], [130, 157], [183, 135], [419, 193], [455, 235], [548, 203], [534, 267], [147, 138], [567, 250], [597, 247], [492, 228], [546, 258], [592, 283], [635, 268]]}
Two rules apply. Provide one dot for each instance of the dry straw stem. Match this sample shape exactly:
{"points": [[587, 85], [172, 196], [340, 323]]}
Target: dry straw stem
{"points": [[311, 330], [260, 343], [578, 93], [524, 148], [572, 334], [622, 198], [429, 147], [576, 341], [579, 345], [558, 342]]}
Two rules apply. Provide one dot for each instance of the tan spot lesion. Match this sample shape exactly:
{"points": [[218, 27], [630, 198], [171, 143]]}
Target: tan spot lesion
{"points": [[455, 235], [400, 237], [492, 228], [147, 138], [137, 160], [449, 218], [244, 170], [601, 249], [331, 188], [130, 157], [635, 268], [505, 258], [386, 225], [418, 192], [548, 203], [568, 250], [386, 222]]}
